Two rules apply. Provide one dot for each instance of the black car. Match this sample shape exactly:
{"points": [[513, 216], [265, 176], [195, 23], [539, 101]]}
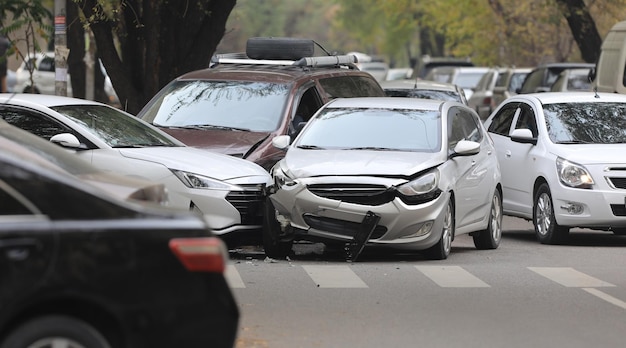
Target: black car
{"points": [[80, 268]]}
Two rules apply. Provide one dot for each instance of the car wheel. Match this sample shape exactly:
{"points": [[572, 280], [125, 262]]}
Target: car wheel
{"points": [[546, 228], [274, 242], [441, 250], [55, 331], [490, 237]]}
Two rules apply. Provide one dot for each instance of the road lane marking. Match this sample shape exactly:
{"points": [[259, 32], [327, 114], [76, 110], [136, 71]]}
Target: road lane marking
{"points": [[233, 278], [452, 277], [330, 276], [608, 298], [570, 277]]}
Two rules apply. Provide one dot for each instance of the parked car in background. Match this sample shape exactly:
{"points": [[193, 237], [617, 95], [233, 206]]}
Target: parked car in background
{"points": [[464, 77], [47, 154], [541, 78], [424, 89], [410, 174], [376, 66], [609, 73], [11, 80], [572, 80], [426, 63], [43, 79], [239, 104], [398, 74], [562, 160], [482, 98], [81, 268], [508, 82], [229, 191]]}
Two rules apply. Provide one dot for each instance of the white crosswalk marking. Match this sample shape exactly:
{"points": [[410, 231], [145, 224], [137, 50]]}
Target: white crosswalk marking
{"points": [[330, 276], [233, 278], [569, 277], [608, 298], [452, 277]]}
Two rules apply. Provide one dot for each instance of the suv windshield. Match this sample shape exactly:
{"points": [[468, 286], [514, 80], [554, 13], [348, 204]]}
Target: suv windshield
{"points": [[589, 123], [237, 105]]}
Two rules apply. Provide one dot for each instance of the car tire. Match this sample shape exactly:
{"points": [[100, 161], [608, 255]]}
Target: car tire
{"points": [[274, 243], [280, 48], [441, 250], [491, 236], [548, 231], [61, 330]]}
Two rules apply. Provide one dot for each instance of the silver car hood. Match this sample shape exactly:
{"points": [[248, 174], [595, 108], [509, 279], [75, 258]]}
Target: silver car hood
{"points": [[588, 154], [307, 163], [202, 162]]}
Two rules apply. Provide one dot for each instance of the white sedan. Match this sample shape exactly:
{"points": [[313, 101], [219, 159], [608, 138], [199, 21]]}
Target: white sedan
{"points": [[562, 160], [228, 191], [403, 173]]}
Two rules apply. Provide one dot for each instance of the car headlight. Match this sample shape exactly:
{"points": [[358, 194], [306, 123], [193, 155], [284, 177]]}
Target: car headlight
{"points": [[201, 182], [281, 178], [573, 175], [420, 190]]}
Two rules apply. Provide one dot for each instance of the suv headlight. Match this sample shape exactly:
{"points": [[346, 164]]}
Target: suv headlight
{"points": [[420, 190], [573, 175], [201, 182]]}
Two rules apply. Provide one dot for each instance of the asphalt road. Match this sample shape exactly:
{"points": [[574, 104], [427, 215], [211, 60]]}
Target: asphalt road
{"points": [[523, 294]]}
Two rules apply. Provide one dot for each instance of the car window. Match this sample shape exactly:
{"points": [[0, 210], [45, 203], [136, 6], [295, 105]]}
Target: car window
{"points": [[501, 122], [9, 204], [46, 64], [533, 80], [502, 78], [308, 104], [526, 119], [468, 79], [350, 86], [255, 106], [371, 128], [596, 123], [517, 79], [462, 125], [113, 127], [37, 124]]}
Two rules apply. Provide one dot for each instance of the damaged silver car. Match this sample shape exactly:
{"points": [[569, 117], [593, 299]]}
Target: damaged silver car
{"points": [[402, 173]]}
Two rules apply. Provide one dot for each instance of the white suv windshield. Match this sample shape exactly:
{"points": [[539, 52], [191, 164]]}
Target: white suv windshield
{"points": [[242, 105]]}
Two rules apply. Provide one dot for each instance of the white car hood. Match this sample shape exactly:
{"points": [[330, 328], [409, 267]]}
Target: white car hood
{"points": [[189, 159], [593, 154], [307, 163]]}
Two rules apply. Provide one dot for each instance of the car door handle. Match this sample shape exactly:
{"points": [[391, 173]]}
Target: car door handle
{"points": [[19, 249], [508, 153]]}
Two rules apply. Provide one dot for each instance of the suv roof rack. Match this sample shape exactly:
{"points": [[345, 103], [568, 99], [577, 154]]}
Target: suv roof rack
{"points": [[283, 51], [321, 61]]}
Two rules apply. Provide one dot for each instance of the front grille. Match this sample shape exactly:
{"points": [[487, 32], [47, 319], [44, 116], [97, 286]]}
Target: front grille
{"points": [[618, 209], [619, 183], [249, 202], [341, 227], [354, 193]]}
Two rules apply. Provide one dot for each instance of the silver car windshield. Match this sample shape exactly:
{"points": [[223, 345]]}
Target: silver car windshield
{"points": [[586, 123], [374, 129], [115, 128], [235, 105]]}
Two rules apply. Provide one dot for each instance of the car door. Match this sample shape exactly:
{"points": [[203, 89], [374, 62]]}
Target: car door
{"points": [[517, 185], [473, 174], [26, 241]]}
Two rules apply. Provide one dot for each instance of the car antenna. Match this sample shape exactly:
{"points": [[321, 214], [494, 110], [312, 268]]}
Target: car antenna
{"points": [[595, 90], [322, 48]]}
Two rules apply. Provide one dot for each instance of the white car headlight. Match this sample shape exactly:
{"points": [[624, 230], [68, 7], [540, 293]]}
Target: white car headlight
{"points": [[421, 190], [573, 175], [201, 182], [280, 178]]}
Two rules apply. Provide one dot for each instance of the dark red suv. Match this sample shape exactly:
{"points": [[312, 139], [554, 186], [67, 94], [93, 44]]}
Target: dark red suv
{"points": [[244, 100]]}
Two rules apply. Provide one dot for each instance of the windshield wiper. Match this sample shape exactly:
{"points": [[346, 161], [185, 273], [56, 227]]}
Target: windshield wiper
{"points": [[574, 142], [371, 148], [210, 126], [310, 147]]}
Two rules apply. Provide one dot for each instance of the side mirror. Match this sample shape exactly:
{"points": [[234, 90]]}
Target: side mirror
{"points": [[66, 140], [465, 148], [524, 136], [281, 142]]}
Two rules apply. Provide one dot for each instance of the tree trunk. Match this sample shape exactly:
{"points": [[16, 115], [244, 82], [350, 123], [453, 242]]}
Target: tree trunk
{"points": [[583, 28]]}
